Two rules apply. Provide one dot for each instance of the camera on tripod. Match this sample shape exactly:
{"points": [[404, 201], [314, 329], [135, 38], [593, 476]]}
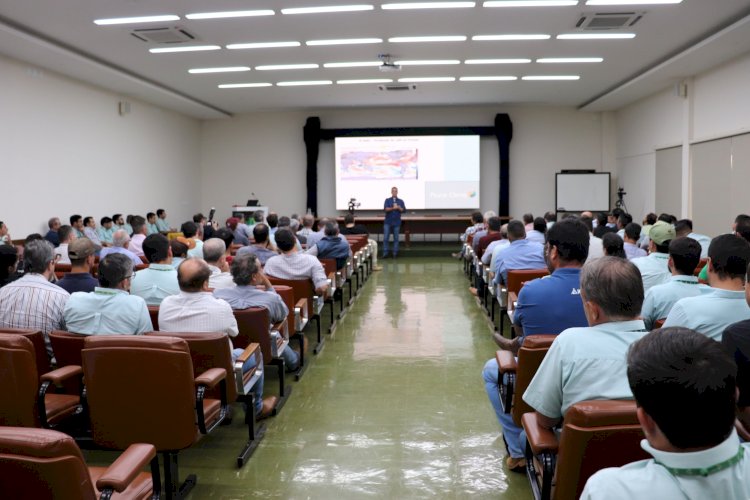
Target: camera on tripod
{"points": [[353, 203]]}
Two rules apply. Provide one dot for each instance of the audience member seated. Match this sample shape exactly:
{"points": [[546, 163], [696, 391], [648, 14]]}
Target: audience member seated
{"points": [[711, 313], [596, 247], [492, 250], [120, 243], [545, 306], [89, 231], [550, 218], [632, 234], [205, 228], [76, 222], [82, 254], [736, 340], [538, 231], [684, 255], [740, 227], [151, 227], [613, 246], [332, 246], [262, 247], [66, 234], [248, 276], [214, 253], [351, 226], [109, 309], [520, 254], [161, 221], [684, 227], [589, 363], [653, 268], [8, 263], [139, 234], [602, 226], [193, 238], [159, 280], [52, 236], [179, 252], [308, 221], [227, 236], [493, 234], [622, 222], [195, 309], [239, 236], [272, 220], [477, 224], [105, 231], [32, 301], [294, 265], [318, 235], [684, 386], [128, 226], [648, 221], [481, 233], [528, 222]]}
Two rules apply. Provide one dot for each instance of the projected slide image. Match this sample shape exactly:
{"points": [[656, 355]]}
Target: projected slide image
{"points": [[399, 164]]}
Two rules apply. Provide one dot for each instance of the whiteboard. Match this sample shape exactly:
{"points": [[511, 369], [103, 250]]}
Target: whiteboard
{"points": [[579, 192]]}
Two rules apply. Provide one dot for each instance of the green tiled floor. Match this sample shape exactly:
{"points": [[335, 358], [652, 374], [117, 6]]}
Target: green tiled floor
{"points": [[394, 406]]}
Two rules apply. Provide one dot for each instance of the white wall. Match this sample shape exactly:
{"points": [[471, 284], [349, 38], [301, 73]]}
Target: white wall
{"points": [[64, 149], [265, 153]]}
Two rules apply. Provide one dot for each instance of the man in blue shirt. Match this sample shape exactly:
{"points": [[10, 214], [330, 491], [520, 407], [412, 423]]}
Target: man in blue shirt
{"points": [[79, 279], [332, 246], [393, 207], [547, 305], [521, 254]]}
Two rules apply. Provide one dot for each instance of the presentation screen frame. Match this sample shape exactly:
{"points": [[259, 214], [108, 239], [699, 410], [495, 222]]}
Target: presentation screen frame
{"points": [[581, 191]]}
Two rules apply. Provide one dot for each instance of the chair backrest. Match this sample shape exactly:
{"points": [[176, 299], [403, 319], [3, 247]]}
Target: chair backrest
{"points": [[303, 289], [153, 311], [530, 356], [329, 265], [357, 241], [140, 390], [595, 435], [20, 380], [700, 266], [42, 464], [61, 269], [287, 295], [254, 325], [40, 350], [659, 323], [517, 277], [67, 347]]}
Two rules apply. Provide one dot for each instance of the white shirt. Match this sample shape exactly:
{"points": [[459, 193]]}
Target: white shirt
{"points": [[219, 279], [196, 312], [596, 248], [136, 244], [62, 251]]}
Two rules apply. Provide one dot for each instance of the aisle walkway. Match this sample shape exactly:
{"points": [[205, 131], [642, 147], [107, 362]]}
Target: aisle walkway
{"points": [[394, 406]]}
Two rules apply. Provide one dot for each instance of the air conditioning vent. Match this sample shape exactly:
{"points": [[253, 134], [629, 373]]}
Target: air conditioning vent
{"points": [[600, 21], [162, 36], [397, 87]]}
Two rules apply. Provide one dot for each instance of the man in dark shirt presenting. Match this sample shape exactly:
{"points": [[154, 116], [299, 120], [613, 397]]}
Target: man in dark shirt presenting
{"points": [[393, 207]]}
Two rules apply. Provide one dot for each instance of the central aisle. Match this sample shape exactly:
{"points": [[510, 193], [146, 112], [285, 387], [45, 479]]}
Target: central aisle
{"points": [[394, 406]]}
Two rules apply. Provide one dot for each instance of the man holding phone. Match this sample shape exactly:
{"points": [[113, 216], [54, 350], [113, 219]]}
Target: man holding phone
{"points": [[393, 207]]}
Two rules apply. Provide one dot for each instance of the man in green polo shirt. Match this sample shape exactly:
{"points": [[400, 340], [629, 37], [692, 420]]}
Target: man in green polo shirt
{"points": [[160, 279]]}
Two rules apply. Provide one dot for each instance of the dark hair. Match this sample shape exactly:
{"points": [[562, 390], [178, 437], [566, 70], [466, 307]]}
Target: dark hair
{"points": [[138, 224], [348, 219], [284, 221], [150, 214], [528, 218], [477, 217], [633, 231], [195, 282], [114, 268], [331, 229], [625, 219], [129, 219], [225, 234], [550, 216], [115, 217], [159, 212], [74, 219], [32, 237], [571, 238], [729, 256], [539, 225], [8, 259], [743, 229], [601, 218], [665, 217], [272, 220], [260, 232], [617, 212], [64, 232], [650, 218], [198, 218], [244, 267], [189, 229], [615, 285], [285, 239], [686, 254], [516, 230], [494, 223], [105, 220], [86, 220], [155, 247], [683, 226], [684, 381], [588, 222], [613, 245], [179, 249]]}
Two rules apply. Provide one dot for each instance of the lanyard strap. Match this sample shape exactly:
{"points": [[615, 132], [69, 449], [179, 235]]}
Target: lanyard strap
{"points": [[707, 471]]}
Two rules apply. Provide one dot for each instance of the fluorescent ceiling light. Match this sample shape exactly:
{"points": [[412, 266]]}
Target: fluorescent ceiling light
{"points": [[192, 48], [493, 38], [304, 83], [262, 45], [497, 61], [243, 85], [417, 39], [344, 41], [230, 69], [595, 36], [326, 9], [551, 77], [545, 60], [488, 78], [361, 64], [530, 3], [371, 80], [428, 5], [428, 62], [272, 67], [631, 2], [230, 13], [136, 20], [427, 79]]}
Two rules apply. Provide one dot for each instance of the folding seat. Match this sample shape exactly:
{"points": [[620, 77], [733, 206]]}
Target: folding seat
{"points": [[595, 435], [44, 465], [141, 389], [303, 289], [294, 322]]}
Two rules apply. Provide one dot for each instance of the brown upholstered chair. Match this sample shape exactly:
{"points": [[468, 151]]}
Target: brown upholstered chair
{"points": [[303, 289], [213, 350], [131, 399], [659, 323], [515, 376], [701, 264], [516, 280], [293, 322], [595, 435], [45, 464], [153, 312], [255, 327], [25, 400], [61, 269], [40, 350], [67, 347], [329, 265]]}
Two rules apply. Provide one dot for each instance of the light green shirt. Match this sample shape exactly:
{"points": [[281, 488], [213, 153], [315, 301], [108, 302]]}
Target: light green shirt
{"points": [[162, 225], [660, 298], [106, 311], [151, 229], [672, 475], [582, 364], [710, 313], [155, 283], [653, 268], [105, 235]]}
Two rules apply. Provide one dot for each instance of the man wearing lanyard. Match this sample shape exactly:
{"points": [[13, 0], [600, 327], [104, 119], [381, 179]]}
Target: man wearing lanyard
{"points": [[393, 207]]}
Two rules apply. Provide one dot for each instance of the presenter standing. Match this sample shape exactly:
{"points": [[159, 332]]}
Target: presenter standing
{"points": [[393, 207]]}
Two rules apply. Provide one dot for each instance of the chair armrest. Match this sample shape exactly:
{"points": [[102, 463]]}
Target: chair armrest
{"points": [[506, 362], [540, 438], [60, 375], [281, 328], [126, 468], [247, 353], [512, 299], [211, 377]]}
